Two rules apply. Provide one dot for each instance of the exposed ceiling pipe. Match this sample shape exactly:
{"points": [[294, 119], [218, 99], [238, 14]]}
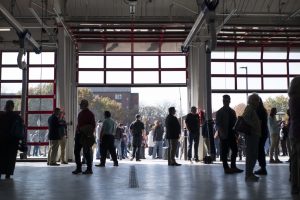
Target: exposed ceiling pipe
{"points": [[62, 23]]}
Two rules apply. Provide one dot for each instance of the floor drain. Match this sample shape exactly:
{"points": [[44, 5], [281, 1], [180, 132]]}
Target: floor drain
{"points": [[133, 181]]}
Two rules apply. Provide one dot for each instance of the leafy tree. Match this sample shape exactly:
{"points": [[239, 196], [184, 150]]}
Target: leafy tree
{"points": [[239, 109], [279, 102]]}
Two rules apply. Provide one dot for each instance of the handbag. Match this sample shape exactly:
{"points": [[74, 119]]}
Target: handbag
{"points": [[241, 126]]}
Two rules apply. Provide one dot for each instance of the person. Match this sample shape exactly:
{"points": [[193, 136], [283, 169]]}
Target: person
{"points": [[252, 140], [150, 141], [225, 120], [137, 129], [192, 122], [85, 127], [283, 138], [118, 139], [124, 143], [158, 133], [8, 140], [36, 147], [54, 137], [173, 131], [263, 118], [107, 140], [294, 134], [98, 130], [63, 138], [274, 128]]}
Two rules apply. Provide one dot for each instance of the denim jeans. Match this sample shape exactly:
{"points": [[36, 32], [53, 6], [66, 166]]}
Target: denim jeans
{"points": [[157, 149], [117, 144]]}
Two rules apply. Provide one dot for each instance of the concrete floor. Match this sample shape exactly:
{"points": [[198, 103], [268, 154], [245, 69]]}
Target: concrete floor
{"points": [[155, 180]]}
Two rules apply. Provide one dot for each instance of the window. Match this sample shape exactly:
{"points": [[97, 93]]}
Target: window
{"points": [[222, 68], [90, 77], [118, 96], [173, 62], [145, 61], [91, 62]]}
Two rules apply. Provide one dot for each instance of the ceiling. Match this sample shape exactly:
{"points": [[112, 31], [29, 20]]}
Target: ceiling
{"points": [[250, 21]]}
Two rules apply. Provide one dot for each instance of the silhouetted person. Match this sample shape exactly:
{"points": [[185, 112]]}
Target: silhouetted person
{"points": [[225, 120], [294, 133], [137, 130], [192, 122], [173, 131], [54, 137], [85, 125], [8, 139], [107, 139], [263, 117]]}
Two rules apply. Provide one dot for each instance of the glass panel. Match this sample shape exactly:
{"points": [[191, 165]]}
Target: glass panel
{"points": [[236, 99], [274, 68], [252, 68], [146, 47], [222, 54], [248, 55], [222, 68], [274, 55], [44, 58], [37, 136], [173, 77], [222, 83], [11, 73], [173, 62], [10, 58], [253, 83], [118, 62], [294, 68], [41, 73], [11, 88], [294, 53], [38, 119], [92, 47], [40, 89], [146, 77], [91, 62], [118, 47], [145, 61], [118, 77], [90, 77], [17, 103], [275, 83], [171, 47], [38, 104]]}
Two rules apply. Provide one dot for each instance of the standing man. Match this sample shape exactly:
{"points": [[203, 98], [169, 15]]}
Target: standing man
{"points": [[225, 120], [173, 130], [192, 122], [137, 129], [107, 140], [85, 127], [54, 137]]}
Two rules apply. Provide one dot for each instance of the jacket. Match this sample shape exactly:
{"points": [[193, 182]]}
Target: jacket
{"points": [[173, 128]]}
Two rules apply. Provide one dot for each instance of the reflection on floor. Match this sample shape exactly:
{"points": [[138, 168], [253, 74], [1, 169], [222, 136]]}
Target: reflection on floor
{"points": [[152, 179]]}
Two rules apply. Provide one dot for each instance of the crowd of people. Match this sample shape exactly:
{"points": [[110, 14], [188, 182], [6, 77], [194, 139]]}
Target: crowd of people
{"points": [[116, 141]]}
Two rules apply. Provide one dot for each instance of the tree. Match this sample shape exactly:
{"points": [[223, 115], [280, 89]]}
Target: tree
{"points": [[279, 102], [239, 109]]}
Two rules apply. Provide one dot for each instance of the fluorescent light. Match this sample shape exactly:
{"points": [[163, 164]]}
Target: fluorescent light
{"points": [[4, 29]]}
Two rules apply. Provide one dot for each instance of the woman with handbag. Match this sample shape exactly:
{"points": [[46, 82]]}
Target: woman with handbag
{"points": [[252, 139]]}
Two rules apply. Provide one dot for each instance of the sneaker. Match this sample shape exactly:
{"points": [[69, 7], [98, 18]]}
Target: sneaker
{"points": [[278, 161], [64, 163], [138, 160], [77, 171], [261, 172], [116, 164], [237, 170], [176, 164], [131, 159], [251, 178], [87, 172]]}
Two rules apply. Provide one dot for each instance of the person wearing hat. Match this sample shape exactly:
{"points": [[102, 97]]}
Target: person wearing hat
{"points": [[137, 129], [85, 126]]}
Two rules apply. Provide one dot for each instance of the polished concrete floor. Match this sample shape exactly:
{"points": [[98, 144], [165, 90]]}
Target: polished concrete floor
{"points": [[149, 179]]}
